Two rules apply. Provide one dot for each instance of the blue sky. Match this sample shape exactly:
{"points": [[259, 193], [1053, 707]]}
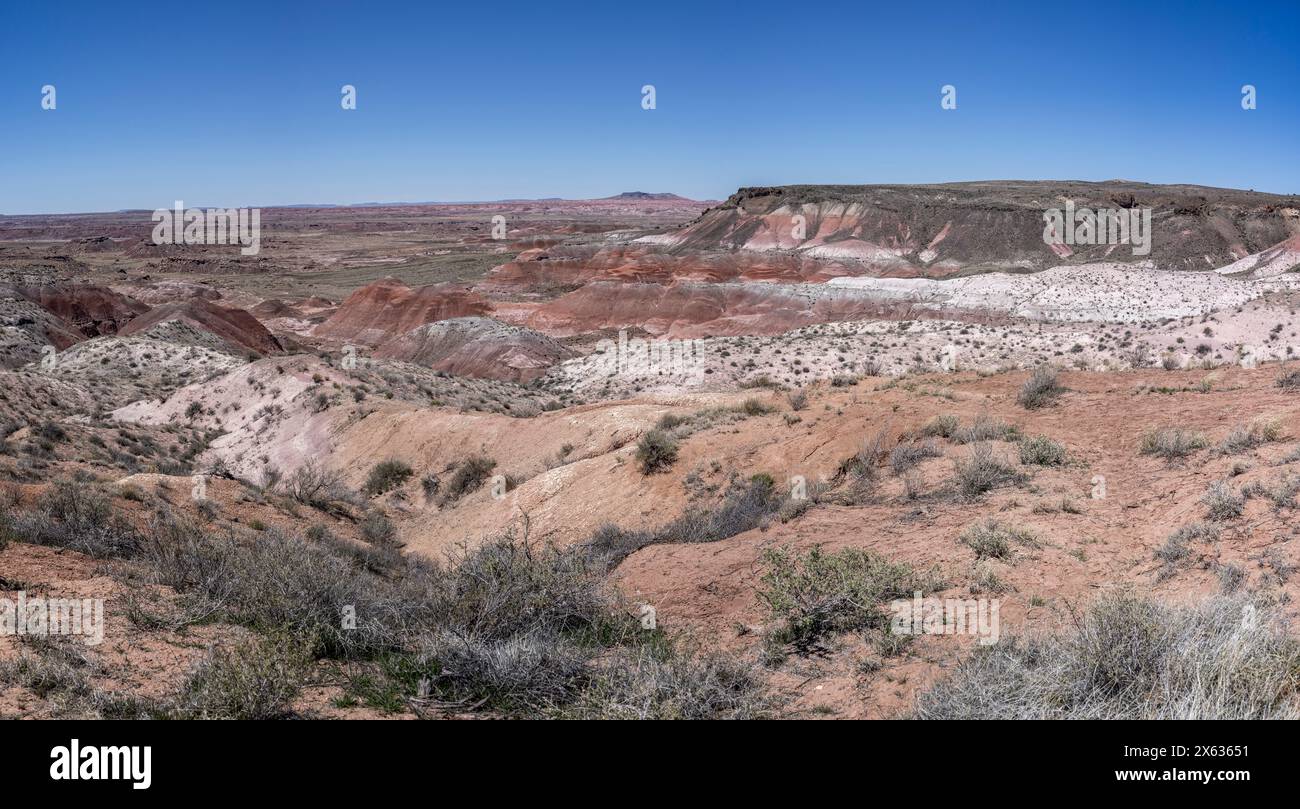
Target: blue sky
{"points": [[238, 103]]}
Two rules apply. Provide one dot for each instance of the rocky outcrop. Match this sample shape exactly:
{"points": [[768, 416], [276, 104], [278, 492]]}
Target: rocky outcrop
{"points": [[1278, 259]]}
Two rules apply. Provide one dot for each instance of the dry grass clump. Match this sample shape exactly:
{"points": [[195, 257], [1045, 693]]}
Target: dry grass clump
{"points": [[1172, 443], [908, 455], [1133, 658], [1222, 503], [1246, 437], [1289, 381], [942, 426], [256, 678], [1177, 546], [77, 515], [991, 539], [1041, 389], [983, 471], [987, 428], [642, 683]]}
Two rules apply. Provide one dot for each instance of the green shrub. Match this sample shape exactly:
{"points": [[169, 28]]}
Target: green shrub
{"points": [[386, 476], [1041, 451], [991, 539], [818, 593], [656, 452], [254, 679], [470, 475]]}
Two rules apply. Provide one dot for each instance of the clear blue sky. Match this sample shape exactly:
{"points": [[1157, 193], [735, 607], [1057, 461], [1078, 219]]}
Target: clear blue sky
{"points": [[237, 103]]}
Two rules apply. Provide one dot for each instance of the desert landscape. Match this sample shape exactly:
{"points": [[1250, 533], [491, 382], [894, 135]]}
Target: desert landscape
{"points": [[646, 456]]}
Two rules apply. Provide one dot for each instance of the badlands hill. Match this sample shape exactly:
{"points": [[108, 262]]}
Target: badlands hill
{"points": [[235, 326], [38, 315], [389, 308], [91, 310], [942, 230]]}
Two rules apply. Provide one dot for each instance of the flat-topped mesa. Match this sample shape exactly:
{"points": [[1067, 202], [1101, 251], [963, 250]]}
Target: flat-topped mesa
{"points": [[957, 228], [637, 195]]}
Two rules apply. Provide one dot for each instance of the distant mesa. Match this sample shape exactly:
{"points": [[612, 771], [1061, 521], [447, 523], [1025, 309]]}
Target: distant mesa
{"points": [[647, 195]]}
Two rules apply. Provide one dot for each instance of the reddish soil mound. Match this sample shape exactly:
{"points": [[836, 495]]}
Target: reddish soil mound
{"points": [[478, 346], [235, 326], [387, 309], [274, 308], [92, 310]]}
